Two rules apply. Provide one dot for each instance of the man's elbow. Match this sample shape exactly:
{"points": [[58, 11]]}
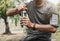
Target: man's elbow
{"points": [[10, 13], [53, 30], [7, 14]]}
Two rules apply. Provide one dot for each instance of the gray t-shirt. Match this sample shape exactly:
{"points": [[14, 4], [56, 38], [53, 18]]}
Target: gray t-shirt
{"points": [[46, 14]]}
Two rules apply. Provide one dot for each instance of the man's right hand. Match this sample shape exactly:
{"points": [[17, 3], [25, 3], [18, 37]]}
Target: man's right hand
{"points": [[17, 10], [21, 7]]}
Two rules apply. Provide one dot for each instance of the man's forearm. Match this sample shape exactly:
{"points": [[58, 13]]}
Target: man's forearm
{"points": [[45, 28], [13, 11]]}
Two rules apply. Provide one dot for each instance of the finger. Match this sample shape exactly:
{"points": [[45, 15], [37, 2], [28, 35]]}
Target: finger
{"points": [[24, 21], [23, 24], [24, 17], [20, 22], [25, 8]]}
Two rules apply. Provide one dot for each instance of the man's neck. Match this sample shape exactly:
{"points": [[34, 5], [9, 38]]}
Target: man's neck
{"points": [[38, 3]]}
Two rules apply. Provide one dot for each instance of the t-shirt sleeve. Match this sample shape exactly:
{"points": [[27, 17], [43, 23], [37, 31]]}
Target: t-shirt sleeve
{"points": [[54, 18]]}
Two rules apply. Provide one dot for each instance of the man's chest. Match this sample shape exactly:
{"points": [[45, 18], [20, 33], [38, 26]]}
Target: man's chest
{"points": [[38, 14]]}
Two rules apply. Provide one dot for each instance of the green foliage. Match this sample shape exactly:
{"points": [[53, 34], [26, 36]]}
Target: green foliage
{"points": [[4, 5], [15, 19], [58, 6]]}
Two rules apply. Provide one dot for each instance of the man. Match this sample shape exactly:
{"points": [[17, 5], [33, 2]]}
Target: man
{"points": [[42, 21]]}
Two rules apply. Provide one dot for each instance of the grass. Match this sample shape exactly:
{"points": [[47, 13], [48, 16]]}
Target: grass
{"points": [[56, 35]]}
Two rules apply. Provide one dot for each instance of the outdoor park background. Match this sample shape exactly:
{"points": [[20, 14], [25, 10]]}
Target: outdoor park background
{"points": [[13, 23]]}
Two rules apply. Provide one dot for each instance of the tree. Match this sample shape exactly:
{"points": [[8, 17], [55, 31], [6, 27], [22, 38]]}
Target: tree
{"points": [[4, 5]]}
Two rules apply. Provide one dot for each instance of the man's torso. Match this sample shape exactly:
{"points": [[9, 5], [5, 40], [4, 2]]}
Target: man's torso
{"points": [[39, 15]]}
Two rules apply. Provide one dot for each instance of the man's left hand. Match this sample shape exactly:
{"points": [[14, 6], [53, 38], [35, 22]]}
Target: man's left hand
{"points": [[26, 21]]}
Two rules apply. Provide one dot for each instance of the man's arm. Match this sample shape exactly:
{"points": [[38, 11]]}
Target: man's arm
{"points": [[45, 28], [51, 27], [41, 27], [14, 11]]}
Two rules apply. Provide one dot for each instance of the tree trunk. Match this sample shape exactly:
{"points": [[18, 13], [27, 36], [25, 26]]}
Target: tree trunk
{"points": [[7, 30]]}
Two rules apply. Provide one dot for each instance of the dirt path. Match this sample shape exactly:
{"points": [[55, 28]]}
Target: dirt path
{"points": [[15, 37]]}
